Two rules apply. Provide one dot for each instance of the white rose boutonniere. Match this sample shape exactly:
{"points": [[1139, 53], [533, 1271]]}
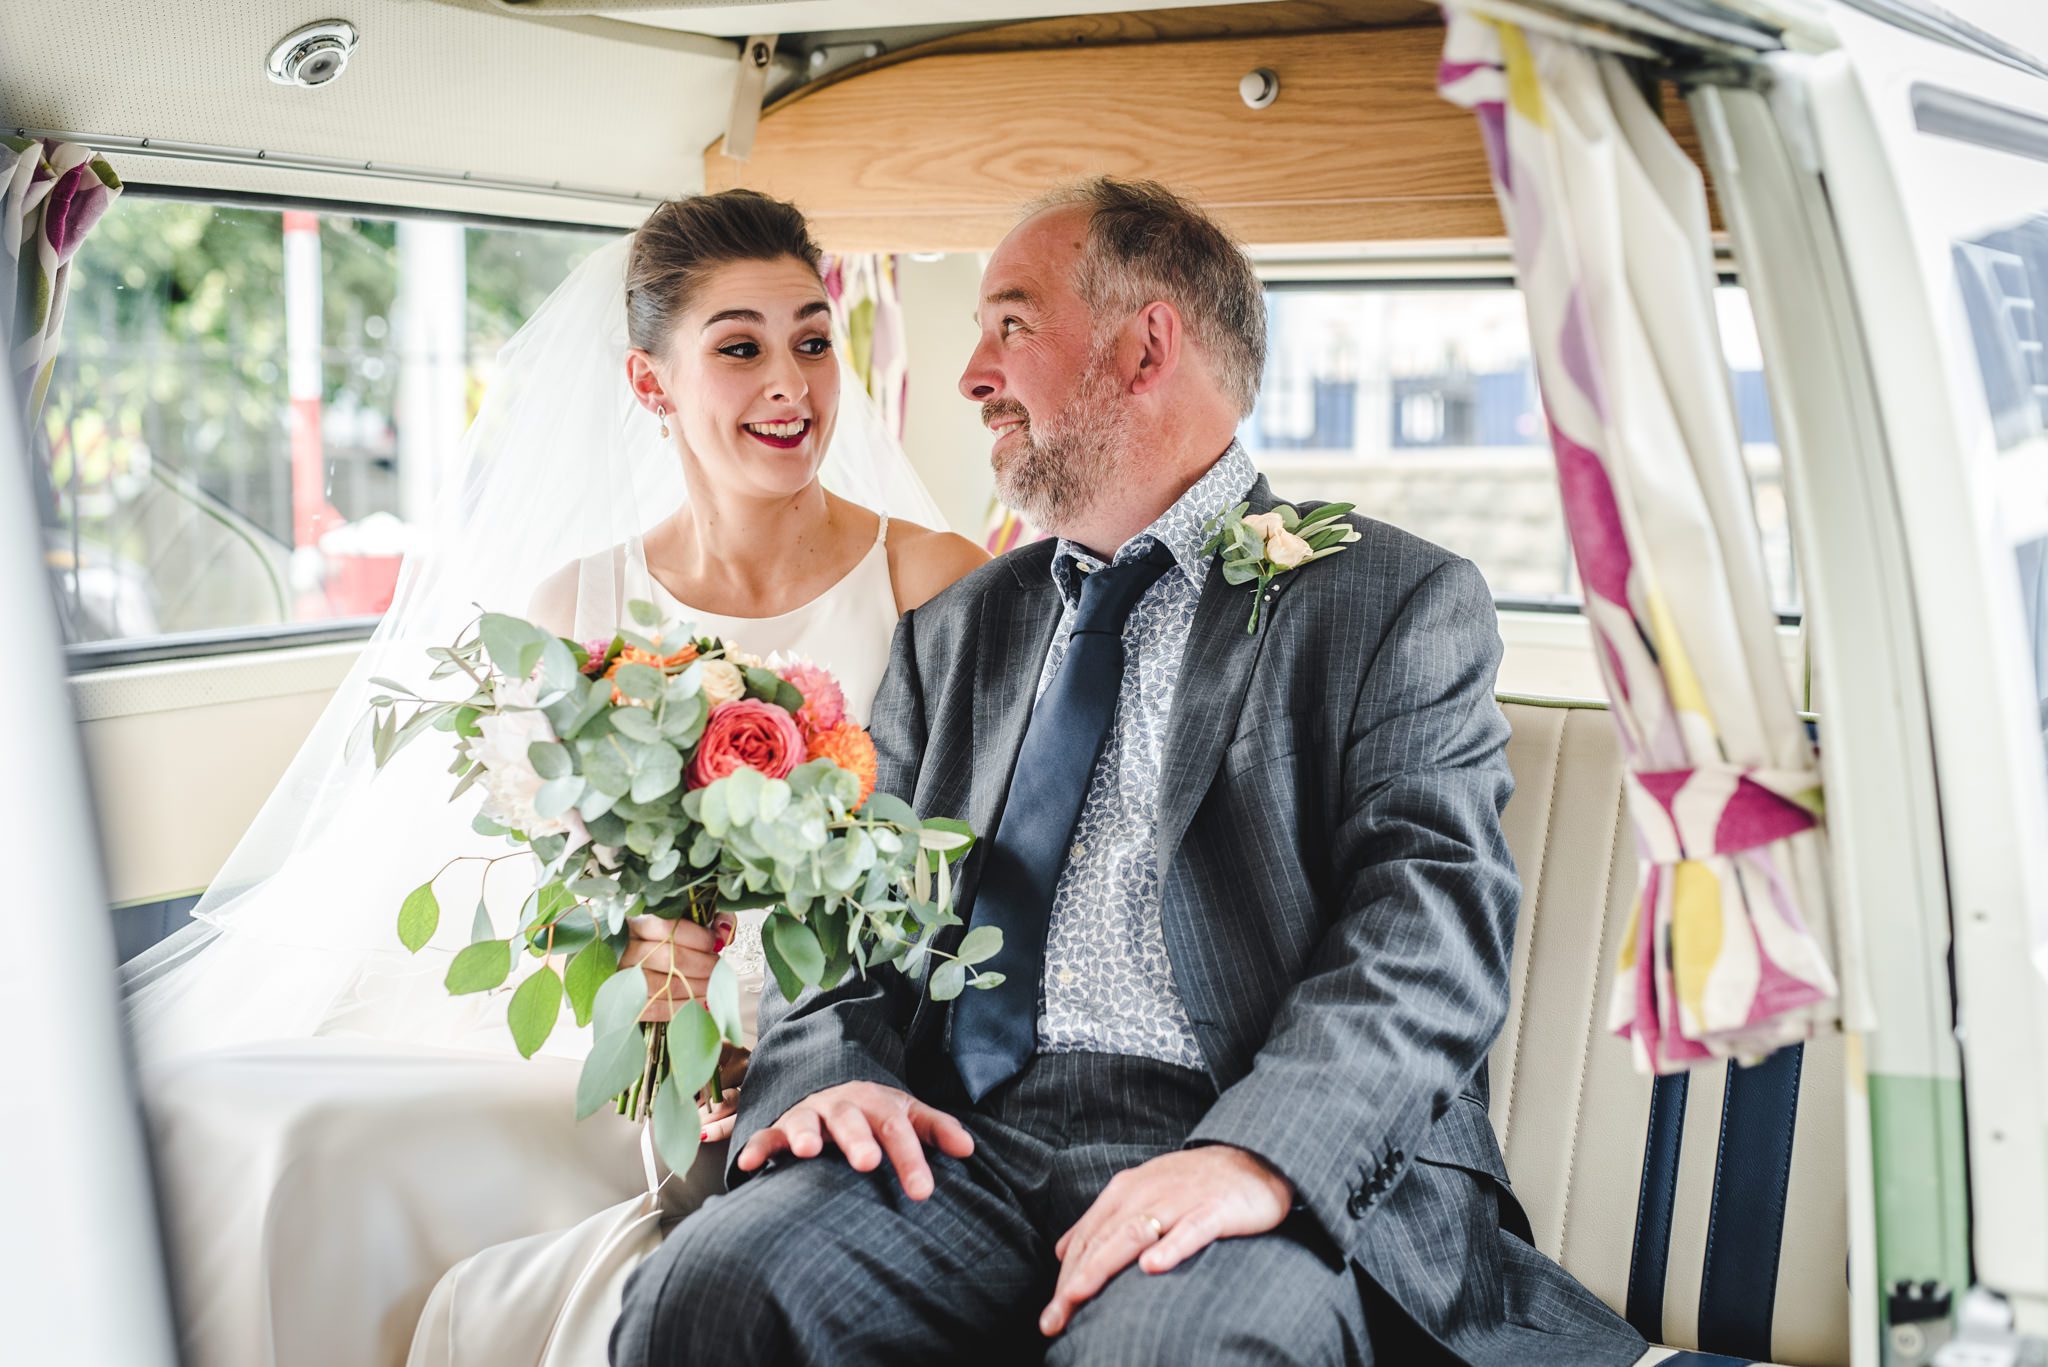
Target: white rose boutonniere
{"points": [[1258, 548]]}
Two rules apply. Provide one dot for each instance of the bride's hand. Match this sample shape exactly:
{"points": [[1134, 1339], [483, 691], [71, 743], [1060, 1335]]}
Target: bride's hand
{"points": [[676, 956], [718, 1120]]}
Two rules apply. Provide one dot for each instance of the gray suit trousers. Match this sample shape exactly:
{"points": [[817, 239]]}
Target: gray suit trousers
{"points": [[814, 1263]]}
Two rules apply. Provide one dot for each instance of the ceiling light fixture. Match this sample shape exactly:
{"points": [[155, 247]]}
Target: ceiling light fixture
{"points": [[313, 55]]}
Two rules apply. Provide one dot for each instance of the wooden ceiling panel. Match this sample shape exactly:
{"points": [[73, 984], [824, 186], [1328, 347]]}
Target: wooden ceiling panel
{"points": [[935, 152]]}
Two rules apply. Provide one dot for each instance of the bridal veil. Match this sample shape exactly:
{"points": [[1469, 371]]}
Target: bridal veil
{"points": [[296, 935]]}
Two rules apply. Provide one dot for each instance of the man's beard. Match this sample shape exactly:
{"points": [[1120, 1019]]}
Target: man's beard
{"points": [[1059, 467]]}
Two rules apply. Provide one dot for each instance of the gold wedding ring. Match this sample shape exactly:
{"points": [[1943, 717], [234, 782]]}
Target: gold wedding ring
{"points": [[1158, 1230]]}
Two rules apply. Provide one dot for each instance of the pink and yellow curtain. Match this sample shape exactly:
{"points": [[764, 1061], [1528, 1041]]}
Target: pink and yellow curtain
{"points": [[51, 195], [1728, 952], [867, 327]]}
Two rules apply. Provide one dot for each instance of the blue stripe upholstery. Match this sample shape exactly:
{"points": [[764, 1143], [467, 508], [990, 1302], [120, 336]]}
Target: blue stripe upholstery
{"points": [[1739, 1287], [1652, 1252]]}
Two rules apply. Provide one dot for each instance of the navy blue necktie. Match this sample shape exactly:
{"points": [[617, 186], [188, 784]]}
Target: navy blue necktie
{"points": [[995, 1031]]}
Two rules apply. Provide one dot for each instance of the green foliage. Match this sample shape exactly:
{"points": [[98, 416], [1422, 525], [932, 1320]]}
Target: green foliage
{"points": [[419, 917], [534, 1009], [480, 967], [846, 891]]}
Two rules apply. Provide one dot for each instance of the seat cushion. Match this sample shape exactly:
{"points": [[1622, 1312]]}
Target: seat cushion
{"points": [[1728, 1233]]}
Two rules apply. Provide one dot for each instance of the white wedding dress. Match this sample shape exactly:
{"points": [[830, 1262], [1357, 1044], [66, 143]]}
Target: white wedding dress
{"points": [[550, 1299]]}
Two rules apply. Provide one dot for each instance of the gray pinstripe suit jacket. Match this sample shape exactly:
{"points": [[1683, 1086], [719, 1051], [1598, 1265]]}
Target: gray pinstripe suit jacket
{"points": [[1338, 905]]}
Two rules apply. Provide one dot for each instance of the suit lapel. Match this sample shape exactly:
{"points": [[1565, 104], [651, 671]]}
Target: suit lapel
{"points": [[1016, 631], [1014, 634], [1214, 676]]}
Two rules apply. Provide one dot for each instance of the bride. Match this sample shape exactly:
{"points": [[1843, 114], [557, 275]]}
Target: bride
{"points": [[295, 1060]]}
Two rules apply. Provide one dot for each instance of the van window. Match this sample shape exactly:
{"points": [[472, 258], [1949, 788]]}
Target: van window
{"points": [[2002, 277], [1418, 403], [252, 405]]}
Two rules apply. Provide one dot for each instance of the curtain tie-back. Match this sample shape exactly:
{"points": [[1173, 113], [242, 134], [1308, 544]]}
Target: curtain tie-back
{"points": [[1719, 809]]}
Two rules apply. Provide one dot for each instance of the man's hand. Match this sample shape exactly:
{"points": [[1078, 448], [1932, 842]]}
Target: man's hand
{"points": [[1161, 1213], [866, 1120]]}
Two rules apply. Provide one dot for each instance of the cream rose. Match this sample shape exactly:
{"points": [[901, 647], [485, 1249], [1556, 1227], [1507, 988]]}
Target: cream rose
{"points": [[721, 682], [1267, 525], [1285, 549]]}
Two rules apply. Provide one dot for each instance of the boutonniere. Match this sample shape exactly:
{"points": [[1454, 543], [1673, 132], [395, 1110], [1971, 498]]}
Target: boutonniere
{"points": [[1260, 547]]}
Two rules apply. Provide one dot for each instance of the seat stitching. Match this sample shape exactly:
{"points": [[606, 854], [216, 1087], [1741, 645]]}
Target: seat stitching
{"points": [[1507, 1118], [1592, 1031]]}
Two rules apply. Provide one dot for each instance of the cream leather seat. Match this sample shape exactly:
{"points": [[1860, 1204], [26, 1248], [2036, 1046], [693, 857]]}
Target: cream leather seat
{"points": [[1711, 1210]]}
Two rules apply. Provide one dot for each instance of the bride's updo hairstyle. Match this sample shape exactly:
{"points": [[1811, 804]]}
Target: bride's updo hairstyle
{"points": [[684, 240]]}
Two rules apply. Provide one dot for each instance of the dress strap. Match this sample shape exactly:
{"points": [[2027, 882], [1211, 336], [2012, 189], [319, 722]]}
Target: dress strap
{"points": [[882, 531]]}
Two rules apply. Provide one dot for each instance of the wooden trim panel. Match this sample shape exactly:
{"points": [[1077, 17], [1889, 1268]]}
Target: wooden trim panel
{"points": [[935, 153]]}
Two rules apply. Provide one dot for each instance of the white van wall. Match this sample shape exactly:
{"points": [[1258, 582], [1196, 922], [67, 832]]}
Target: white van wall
{"points": [[942, 431]]}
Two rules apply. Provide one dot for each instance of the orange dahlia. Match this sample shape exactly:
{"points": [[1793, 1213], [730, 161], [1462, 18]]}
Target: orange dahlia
{"points": [[849, 746]]}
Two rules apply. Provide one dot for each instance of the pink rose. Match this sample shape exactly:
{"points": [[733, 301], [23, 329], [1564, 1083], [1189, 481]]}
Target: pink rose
{"points": [[749, 734]]}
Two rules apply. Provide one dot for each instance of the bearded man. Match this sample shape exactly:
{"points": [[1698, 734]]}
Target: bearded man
{"points": [[1228, 1103]]}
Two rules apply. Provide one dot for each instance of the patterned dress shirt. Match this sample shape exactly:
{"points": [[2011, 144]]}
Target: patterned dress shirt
{"points": [[1108, 985]]}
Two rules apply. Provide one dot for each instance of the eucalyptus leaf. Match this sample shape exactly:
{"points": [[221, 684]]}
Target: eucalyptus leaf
{"points": [[981, 943], [693, 1048], [536, 1005], [711, 811], [644, 612], [722, 997], [548, 759], [984, 981], [592, 967], [480, 967], [677, 1131], [566, 935], [505, 638], [558, 795], [799, 948], [642, 683], [890, 809], [636, 723], [620, 1000], [658, 772], [605, 765], [419, 917], [480, 927], [558, 668], [948, 979], [786, 979], [614, 1064]]}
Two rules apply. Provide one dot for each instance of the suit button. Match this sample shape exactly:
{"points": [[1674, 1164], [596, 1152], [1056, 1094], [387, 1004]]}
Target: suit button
{"points": [[1358, 1204]]}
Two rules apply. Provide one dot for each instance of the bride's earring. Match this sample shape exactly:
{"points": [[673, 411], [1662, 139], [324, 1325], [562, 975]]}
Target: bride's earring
{"points": [[662, 413]]}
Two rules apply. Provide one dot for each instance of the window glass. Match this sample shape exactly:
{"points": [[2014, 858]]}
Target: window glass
{"points": [[253, 405], [1419, 404], [2002, 278]]}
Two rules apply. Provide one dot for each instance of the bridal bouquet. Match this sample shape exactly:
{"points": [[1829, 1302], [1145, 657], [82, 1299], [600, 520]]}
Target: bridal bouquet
{"points": [[684, 779]]}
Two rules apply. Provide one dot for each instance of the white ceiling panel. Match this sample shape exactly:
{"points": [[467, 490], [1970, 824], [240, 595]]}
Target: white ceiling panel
{"points": [[444, 87]]}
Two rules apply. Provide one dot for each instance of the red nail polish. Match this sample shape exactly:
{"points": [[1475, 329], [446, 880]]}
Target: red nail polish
{"points": [[703, 1135]]}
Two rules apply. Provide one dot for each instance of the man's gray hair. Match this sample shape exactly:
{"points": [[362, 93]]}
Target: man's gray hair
{"points": [[1147, 243]]}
